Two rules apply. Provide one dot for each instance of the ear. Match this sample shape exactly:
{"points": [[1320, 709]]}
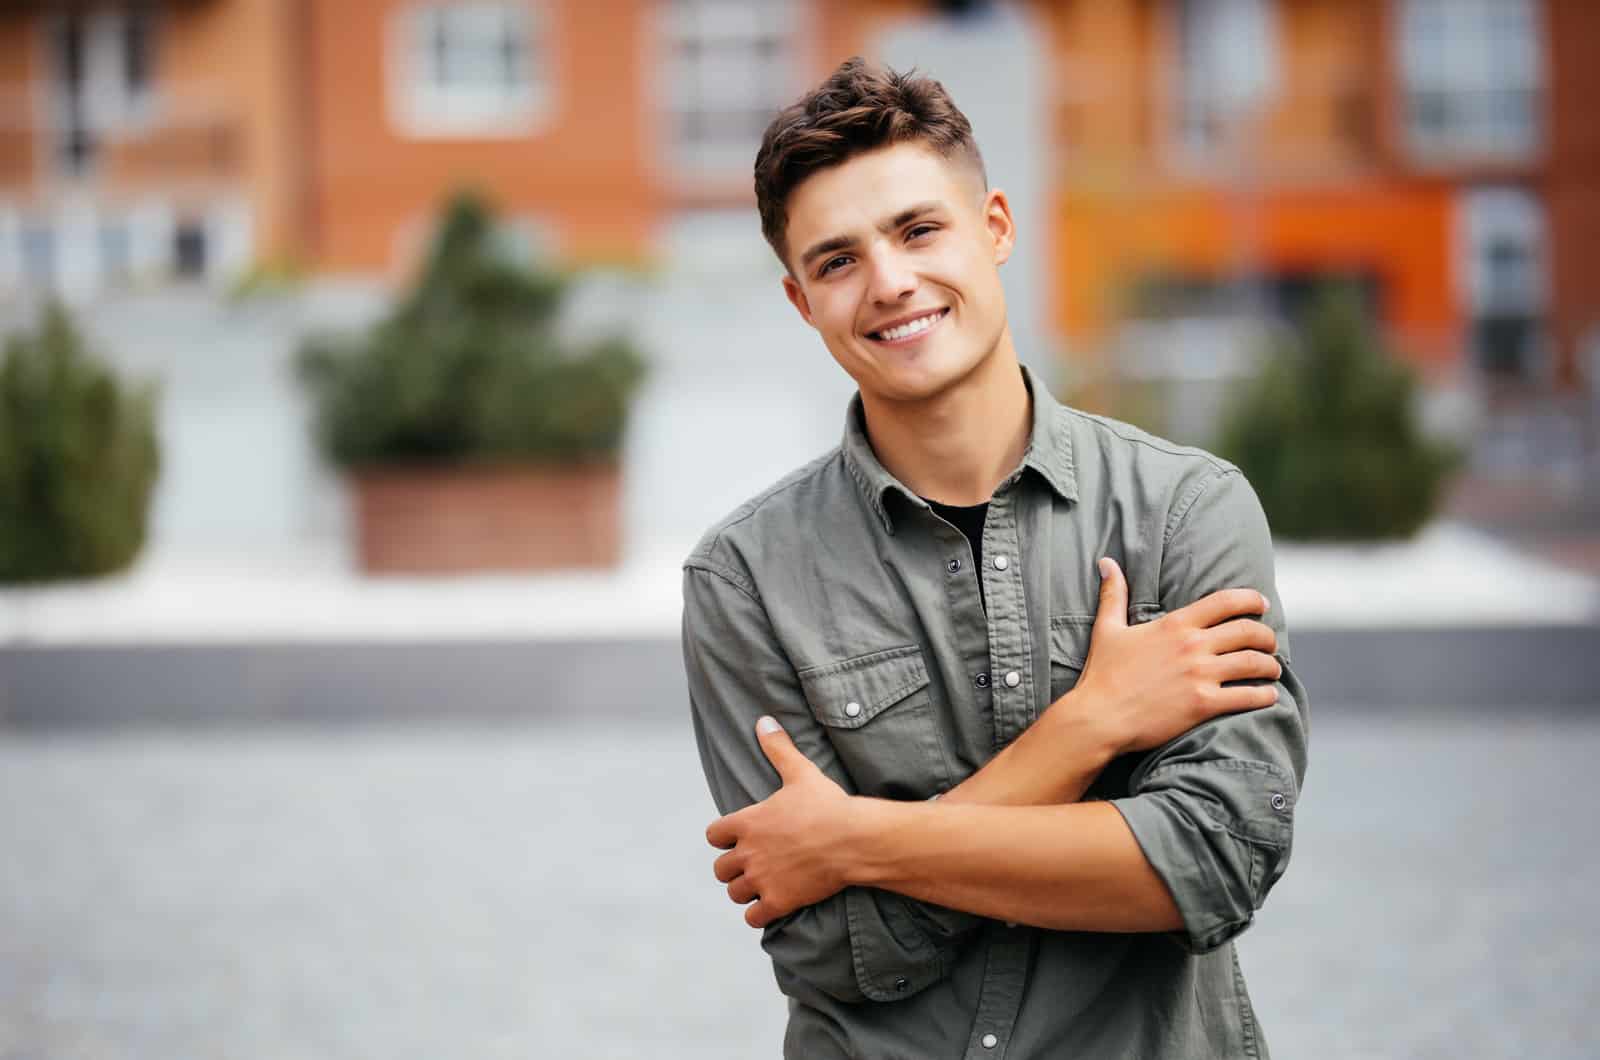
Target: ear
{"points": [[997, 219], [797, 297]]}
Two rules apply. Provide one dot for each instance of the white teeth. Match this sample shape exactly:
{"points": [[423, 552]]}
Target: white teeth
{"points": [[911, 327]]}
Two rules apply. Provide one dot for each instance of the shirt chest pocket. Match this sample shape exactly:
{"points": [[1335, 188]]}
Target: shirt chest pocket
{"points": [[880, 716], [1069, 651], [1069, 645]]}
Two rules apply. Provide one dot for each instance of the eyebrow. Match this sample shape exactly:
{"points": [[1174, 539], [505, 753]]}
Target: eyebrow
{"points": [[909, 214]]}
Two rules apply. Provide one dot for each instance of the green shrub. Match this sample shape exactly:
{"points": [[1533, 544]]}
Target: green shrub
{"points": [[1328, 435], [78, 459], [469, 367]]}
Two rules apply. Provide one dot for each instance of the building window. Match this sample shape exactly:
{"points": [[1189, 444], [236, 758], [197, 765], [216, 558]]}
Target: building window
{"points": [[101, 66], [467, 69], [1226, 66], [189, 250], [1472, 78], [38, 246], [730, 66], [1501, 274]]}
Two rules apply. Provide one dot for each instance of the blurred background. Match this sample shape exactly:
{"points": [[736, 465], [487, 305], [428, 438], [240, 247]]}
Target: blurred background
{"points": [[371, 365]]}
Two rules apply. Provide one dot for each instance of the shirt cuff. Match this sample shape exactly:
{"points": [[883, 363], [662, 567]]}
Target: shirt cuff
{"points": [[1218, 865]]}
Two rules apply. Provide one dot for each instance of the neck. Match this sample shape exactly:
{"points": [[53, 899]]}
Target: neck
{"points": [[958, 445]]}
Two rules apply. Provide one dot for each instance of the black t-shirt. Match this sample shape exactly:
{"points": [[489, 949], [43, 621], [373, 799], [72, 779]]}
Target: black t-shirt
{"points": [[969, 521]]}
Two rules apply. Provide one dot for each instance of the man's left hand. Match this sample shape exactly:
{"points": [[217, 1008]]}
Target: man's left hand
{"points": [[783, 852]]}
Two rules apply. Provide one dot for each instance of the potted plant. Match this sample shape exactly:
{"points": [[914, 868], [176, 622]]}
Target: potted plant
{"points": [[473, 435], [1329, 436], [78, 459]]}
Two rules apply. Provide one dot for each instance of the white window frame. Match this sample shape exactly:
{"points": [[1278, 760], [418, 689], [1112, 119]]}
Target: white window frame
{"points": [[1226, 67], [689, 88], [1489, 218], [424, 105], [1473, 59], [112, 108]]}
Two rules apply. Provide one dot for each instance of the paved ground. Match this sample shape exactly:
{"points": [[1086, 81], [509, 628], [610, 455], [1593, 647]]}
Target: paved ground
{"points": [[543, 891]]}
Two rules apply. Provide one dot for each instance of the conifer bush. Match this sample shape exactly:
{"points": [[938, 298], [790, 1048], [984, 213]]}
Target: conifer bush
{"points": [[1328, 434], [469, 368], [79, 458]]}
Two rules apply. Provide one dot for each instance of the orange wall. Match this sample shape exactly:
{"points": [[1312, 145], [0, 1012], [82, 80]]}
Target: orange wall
{"points": [[1573, 184], [585, 170], [18, 70], [1399, 233], [1317, 197]]}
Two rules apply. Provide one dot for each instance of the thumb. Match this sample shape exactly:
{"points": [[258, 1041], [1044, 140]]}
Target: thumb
{"points": [[779, 748], [1113, 612]]}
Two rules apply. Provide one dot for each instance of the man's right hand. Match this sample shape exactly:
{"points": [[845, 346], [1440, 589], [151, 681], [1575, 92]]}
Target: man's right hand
{"points": [[1146, 684]]}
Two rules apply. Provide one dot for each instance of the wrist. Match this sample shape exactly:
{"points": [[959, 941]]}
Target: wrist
{"points": [[1092, 730], [867, 822]]}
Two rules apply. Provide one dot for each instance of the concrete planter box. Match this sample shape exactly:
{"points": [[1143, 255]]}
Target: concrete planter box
{"points": [[501, 518]]}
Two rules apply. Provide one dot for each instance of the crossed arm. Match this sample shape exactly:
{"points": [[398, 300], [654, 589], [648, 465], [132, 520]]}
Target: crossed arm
{"points": [[1012, 842], [1202, 836]]}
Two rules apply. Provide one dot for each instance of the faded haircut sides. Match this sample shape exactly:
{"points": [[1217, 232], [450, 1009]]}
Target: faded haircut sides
{"points": [[859, 108]]}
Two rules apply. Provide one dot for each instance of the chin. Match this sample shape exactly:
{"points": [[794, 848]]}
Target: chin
{"points": [[919, 381]]}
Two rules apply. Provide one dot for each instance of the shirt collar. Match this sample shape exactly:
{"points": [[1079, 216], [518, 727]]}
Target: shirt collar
{"points": [[1049, 453]]}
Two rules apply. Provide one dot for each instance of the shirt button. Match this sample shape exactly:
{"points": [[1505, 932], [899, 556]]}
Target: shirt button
{"points": [[989, 1041], [1001, 563], [1013, 679], [954, 566], [901, 983], [852, 708], [1278, 801], [982, 680]]}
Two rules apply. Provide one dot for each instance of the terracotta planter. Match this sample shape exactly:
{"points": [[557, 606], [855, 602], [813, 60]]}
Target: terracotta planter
{"points": [[502, 518]]}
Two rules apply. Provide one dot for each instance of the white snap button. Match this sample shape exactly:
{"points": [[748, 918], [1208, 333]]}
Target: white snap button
{"points": [[1013, 679], [989, 1041], [852, 709], [1011, 923], [1001, 563]]}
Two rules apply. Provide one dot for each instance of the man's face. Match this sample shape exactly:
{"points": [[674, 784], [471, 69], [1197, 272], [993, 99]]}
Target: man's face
{"points": [[895, 260]]}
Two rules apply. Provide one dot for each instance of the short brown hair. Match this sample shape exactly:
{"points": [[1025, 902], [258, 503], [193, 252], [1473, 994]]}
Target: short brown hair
{"points": [[859, 108]]}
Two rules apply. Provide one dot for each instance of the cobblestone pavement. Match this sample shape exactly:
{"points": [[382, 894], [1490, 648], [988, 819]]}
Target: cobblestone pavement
{"points": [[542, 892]]}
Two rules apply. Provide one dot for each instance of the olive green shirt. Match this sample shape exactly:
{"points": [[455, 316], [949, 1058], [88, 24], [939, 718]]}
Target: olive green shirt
{"points": [[839, 603]]}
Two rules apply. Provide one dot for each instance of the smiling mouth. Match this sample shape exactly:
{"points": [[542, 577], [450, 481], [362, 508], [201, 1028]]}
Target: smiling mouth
{"points": [[911, 329]]}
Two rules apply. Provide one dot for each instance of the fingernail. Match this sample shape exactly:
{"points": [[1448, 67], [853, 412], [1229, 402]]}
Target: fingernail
{"points": [[767, 724], [1104, 564], [1266, 605]]}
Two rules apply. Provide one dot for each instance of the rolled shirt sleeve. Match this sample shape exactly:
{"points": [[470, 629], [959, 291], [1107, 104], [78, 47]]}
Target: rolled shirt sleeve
{"points": [[862, 943], [1213, 810]]}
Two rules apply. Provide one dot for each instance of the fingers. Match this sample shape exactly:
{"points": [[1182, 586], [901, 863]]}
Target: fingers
{"points": [[758, 915], [780, 749], [1245, 665], [1113, 609], [741, 890], [1242, 633], [723, 832], [1223, 604], [728, 867], [1238, 698]]}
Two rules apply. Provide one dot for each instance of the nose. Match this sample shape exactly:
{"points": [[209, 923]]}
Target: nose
{"points": [[891, 278]]}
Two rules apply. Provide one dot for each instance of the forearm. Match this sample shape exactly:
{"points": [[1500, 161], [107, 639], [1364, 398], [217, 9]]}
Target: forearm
{"points": [[1071, 868], [1054, 761]]}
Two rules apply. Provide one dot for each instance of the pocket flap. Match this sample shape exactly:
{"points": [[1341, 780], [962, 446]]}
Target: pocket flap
{"points": [[1069, 640], [848, 694], [1070, 634]]}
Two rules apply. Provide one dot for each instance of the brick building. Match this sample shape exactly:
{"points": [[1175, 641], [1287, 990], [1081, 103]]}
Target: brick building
{"points": [[1197, 152]]}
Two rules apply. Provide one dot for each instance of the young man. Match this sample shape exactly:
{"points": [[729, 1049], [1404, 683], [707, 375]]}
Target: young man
{"points": [[984, 794]]}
